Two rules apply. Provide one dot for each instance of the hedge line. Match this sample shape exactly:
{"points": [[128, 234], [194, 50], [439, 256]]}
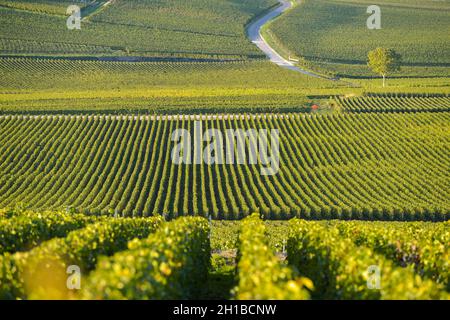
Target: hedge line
{"points": [[261, 275], [340, 269], [41, 272], [170, 264]]}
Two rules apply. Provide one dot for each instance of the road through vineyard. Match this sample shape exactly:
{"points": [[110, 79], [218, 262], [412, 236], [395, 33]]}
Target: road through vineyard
{"points": [[254, 34]]}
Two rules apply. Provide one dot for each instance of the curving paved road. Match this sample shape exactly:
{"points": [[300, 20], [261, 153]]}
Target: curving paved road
{"points": [[254, 34]]}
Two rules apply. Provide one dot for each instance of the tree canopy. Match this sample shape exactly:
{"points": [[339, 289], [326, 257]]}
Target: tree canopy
{"points": [[383, 61]]}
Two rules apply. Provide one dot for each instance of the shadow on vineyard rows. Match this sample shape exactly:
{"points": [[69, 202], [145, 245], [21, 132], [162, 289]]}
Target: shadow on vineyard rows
{"points": [[221, 277]]}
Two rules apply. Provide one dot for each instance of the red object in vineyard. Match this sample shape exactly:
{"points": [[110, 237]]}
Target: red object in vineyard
{"points": [[315, 107]]}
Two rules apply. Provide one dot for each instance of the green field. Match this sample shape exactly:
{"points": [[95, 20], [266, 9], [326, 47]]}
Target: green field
{"points": [[355, 177], [335, 32], [193, 29], [331, 166], [53, 7], [41, 86], [395, 103]]}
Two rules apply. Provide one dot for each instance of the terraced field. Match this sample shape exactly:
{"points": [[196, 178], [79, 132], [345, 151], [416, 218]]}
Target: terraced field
{"points": [[362, 166]]}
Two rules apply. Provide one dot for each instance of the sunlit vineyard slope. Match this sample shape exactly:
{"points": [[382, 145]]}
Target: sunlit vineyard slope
{"points": [[194, 28], [336, 33], [372, 166]]}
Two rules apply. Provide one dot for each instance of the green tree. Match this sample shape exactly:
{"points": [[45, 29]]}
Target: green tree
{"points": [[383, 61]]}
